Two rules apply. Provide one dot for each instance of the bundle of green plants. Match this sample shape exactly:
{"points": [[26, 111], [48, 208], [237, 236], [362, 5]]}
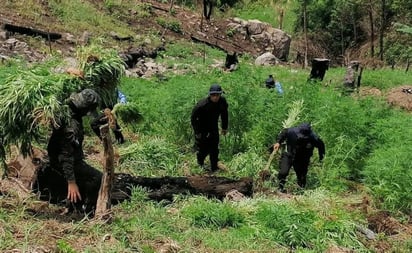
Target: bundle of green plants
{"points": [[31, 100], [128, 113], [33, 97], [103, 70]]}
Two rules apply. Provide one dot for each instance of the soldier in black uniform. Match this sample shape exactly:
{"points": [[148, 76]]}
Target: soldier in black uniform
{"points": [[231, 62], [207, 8], [300, 142], [204, 119], [68, 176]]}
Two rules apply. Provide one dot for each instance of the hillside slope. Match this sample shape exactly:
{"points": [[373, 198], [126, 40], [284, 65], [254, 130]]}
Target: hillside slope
{"points": [[121, 26]]}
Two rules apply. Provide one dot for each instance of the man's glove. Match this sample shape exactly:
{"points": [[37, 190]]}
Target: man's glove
{"points": [[198, 136], [119, 136]]}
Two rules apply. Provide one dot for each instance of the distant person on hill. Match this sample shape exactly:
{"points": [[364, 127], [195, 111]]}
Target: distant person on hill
{"points": [[300, 142], [272, 83], [204, 120], [231, 62], [207, 9]]}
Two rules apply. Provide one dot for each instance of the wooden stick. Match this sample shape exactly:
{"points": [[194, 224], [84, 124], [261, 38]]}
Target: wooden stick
{"points": [[105, 192]]}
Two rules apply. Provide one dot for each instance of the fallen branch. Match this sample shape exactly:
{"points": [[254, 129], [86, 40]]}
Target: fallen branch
{"points": [[32, 32], [167, 187]]}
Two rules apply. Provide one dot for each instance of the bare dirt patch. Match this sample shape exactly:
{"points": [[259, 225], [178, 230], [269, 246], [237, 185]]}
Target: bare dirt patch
{"points": [[401, 97], [382, 222], [368, 91]]}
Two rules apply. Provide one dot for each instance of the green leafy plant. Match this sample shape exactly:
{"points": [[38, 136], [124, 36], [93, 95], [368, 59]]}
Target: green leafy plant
{"points": [[143, 10], [170, 24], [64, 247], [31, 100], [230, 32], [103, 70], [212, 214]]}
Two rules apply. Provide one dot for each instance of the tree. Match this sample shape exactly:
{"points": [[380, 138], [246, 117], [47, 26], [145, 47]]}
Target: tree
{"points": [[372, 27]]}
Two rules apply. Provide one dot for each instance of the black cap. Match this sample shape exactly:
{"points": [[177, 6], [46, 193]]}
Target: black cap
{"points": [[305, 128], [215, 89]]}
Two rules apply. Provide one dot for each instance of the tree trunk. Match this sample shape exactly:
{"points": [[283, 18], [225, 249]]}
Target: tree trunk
{"points": [[166, 187], [355, 30], [104, 200], [32, 32], [305, 31], [319, 67], [3, 161], [372, 38], [382, 30]]}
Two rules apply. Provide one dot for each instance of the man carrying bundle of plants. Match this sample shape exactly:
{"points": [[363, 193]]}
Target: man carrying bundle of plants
{"points": [[204, 119], [69, 176], [300, 142]]}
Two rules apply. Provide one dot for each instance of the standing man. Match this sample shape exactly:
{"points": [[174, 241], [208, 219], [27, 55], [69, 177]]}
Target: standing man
{"points": [[204, 119], [300, 142], [207, 9]]}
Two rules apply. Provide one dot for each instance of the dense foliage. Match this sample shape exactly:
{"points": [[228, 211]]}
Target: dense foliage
{"points": [[351, 128]]}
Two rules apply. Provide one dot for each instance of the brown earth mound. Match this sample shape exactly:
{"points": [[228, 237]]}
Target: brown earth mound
{"points": [[368, 91], [401, 97]]}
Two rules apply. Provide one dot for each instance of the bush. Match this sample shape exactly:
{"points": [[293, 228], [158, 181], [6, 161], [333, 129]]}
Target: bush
{"points": [[212, 214]]}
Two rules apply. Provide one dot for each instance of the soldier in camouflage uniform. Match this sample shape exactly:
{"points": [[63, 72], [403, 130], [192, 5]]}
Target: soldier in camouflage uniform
{"points": [[69, 177]]}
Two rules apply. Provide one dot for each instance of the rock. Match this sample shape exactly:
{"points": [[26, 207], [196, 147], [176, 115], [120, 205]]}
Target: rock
{"points": [[4, 35], [266, 59]]}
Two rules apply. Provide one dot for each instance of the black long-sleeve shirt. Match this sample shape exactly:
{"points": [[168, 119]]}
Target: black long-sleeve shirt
{"points": [[301, 145], [205, 115]]}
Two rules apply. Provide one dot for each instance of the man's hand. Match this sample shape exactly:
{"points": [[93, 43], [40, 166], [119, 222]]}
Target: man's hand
{"points": [[119, 136], [224, 131], [73, 193], [276, 147]]}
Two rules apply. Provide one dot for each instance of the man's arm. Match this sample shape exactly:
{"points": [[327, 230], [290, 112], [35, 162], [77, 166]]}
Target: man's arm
{"points": [[96, 123], [280, 138], [195, 118], [66, 158], [321, 148], [224, 115]]}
